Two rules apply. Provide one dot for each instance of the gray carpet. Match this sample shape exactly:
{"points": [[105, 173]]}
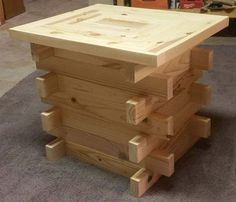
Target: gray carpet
{"points": [[206, 173]]}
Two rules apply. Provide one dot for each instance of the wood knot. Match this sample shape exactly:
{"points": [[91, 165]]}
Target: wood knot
{"points": [[73, 100]]}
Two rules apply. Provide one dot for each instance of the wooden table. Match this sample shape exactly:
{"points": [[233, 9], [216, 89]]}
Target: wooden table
{"points": [[122, 83]]}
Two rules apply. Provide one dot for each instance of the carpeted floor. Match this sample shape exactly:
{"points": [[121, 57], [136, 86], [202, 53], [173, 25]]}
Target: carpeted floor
{"points": [[206, 173]]}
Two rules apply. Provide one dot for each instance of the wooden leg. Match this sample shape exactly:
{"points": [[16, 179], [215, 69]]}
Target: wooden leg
{"points": [[55, 149]]}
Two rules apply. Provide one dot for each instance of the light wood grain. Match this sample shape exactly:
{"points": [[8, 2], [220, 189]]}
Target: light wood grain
{"points": [[128, 34], [94, 157], [110, 102], [167, 120], [156, 162], [47, 84], [201, 126], [152, 166], [205, 97], [178, 110], [111, 75], [140, 107], [141, 181], [39, 52], [55, 149], [202, 58], [51, 119]]}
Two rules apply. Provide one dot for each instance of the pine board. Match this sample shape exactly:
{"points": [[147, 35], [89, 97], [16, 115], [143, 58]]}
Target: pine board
{"points": [[144, 36]]}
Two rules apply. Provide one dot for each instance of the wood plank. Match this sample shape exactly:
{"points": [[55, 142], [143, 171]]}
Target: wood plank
{"points": [[111, 75], [39, 52], [79, 94], [140, 182], [202, 58], [141, 146], [162, 163], [159, 123], [160, 159], [124, 71], [110, 102], [131, 72], [123, 33], [47, 84], [106, 145], [140, 107], [201, 126], [55, 149], [51, 119], [205, 97], [182, 142], [91, 156], [119, 133]]}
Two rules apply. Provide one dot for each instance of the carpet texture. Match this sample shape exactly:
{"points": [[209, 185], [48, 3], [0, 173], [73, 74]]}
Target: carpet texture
{"points": [[206, 173]]}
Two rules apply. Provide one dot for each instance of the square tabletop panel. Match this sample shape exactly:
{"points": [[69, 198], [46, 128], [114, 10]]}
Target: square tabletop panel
{"points": [[142, 36]]}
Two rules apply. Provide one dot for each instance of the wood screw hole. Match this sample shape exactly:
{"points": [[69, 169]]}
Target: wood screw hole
{"points": [[188, 33], [149, 178], [73, 100]]}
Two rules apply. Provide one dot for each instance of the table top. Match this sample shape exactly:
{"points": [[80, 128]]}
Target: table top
{"points": [[143, 36]]}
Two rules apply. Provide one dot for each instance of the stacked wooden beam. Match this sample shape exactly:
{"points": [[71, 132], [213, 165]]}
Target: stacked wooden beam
{"points": [[129, 111]]}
